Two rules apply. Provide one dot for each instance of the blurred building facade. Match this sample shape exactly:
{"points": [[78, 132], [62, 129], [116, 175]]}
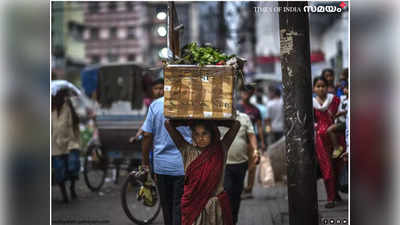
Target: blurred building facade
{"points": [[328, 41], [106, 32], [68, 47], [207, 20], [129, 31], [116, 32], [333, 39], [231, 23]]}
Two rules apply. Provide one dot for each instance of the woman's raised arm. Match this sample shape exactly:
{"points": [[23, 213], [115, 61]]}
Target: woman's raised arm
{"points": [[228, 138], [179, 141]]}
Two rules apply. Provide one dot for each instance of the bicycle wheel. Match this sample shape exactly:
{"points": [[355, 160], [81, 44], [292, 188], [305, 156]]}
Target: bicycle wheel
{"points": [[95, 168], [134, 207]]}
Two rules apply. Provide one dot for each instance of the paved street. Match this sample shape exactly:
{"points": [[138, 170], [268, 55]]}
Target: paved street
{"points": [[269, 206]]}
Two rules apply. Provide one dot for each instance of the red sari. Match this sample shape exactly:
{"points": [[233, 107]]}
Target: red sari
{"points": [[324, 118], [201, 180]]}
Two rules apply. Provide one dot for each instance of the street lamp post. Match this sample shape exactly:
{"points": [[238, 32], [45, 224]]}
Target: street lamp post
{"points": [[297, 93]]}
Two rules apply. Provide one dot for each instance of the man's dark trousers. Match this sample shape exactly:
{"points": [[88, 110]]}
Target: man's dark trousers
{"points": [[233, 185], [171, 190]]}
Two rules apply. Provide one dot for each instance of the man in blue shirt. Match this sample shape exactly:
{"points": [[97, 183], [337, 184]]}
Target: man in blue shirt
{"points": [[167, 161]]}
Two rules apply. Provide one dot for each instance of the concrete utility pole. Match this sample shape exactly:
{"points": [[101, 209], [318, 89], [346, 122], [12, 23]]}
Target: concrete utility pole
{"points": [[297, 94]]}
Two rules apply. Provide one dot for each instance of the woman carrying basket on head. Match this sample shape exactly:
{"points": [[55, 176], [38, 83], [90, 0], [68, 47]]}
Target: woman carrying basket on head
{"points": [[204, 200]]}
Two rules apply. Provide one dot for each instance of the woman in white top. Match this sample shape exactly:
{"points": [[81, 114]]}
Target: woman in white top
{"points": [[65, 143]]}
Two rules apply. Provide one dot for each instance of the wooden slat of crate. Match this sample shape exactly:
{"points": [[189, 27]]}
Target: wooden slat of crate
{"points": [[199, 92]]}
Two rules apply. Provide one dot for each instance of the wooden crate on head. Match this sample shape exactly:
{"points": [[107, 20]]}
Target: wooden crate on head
{"points": [[196, 92], [199, 92]]}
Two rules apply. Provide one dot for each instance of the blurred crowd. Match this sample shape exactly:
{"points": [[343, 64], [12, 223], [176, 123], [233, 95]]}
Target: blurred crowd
{"points": [[331, 119]]}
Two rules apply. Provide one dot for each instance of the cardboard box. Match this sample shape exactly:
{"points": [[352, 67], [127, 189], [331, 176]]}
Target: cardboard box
{"points": [[196, 92]]}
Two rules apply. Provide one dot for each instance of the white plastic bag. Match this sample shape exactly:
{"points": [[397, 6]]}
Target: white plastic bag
{"points": [[277, 157], [266, 174]]}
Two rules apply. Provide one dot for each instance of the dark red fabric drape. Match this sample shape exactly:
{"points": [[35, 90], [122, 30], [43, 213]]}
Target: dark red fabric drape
{"points": [[226, 208], [201, 180], [323, 146]]}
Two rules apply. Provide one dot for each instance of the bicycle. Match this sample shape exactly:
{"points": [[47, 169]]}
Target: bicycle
{"points": [[140, 197], [95, 167]]}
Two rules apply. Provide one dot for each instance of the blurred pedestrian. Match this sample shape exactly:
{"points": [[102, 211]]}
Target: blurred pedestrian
{"points": [[65, 143], [204, 201], [242, 154], [157, 91], [260, 102], [167, 161], [329, 76], [343, 176], [339, 126], [275, 116], [255, 117], [343, 81], [325, 107]]}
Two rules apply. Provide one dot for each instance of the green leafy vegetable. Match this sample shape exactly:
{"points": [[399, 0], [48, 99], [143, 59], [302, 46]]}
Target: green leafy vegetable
{"points": [[192, 54]]}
